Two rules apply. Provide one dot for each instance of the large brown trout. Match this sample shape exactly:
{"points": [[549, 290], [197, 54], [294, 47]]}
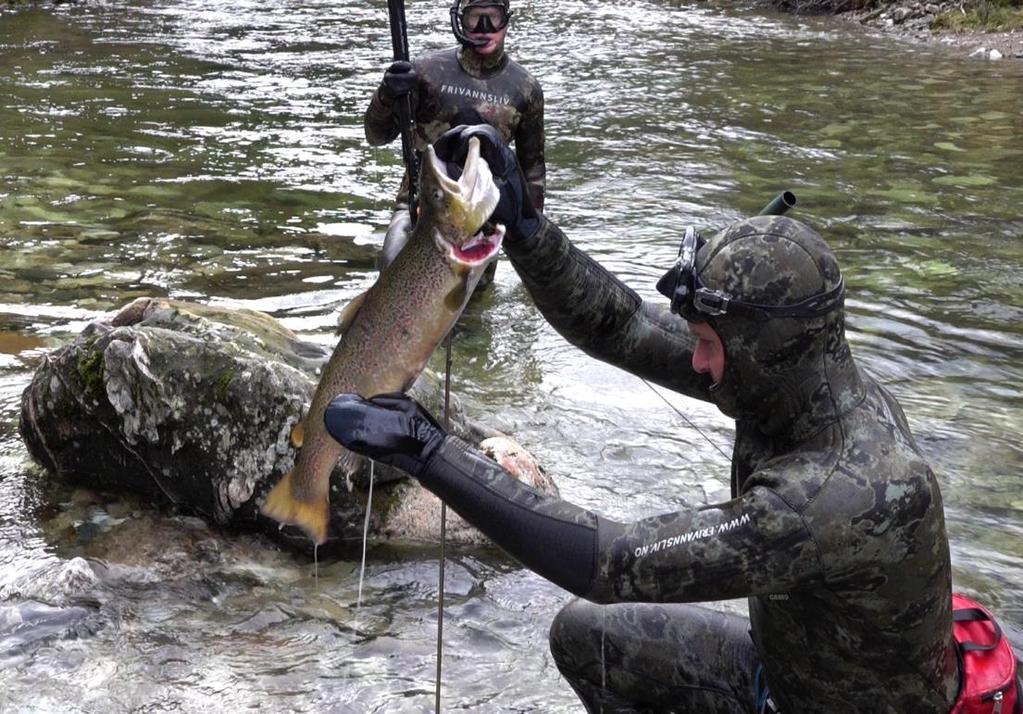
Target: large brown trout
{"points": [[389, 332]]}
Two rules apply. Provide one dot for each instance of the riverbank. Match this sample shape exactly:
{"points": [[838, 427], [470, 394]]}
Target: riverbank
{"points": [[922, 21]]}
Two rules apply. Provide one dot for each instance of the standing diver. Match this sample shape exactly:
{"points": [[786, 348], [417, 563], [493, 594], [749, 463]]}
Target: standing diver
{"points": [[474, 83], [835, 530]]}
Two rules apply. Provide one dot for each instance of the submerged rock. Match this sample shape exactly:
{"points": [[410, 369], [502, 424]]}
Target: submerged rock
{"points": [[195, 404], [27, 625]]}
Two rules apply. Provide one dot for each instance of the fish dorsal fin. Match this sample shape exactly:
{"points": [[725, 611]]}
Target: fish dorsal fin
{"points": [[298, 434], [349, 312]]}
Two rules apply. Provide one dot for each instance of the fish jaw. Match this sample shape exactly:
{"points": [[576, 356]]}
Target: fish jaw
{"points": [[475, 253], [458, 209]]}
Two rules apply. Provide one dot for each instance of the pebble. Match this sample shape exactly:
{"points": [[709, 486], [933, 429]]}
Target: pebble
{"points": [[984, 52]]}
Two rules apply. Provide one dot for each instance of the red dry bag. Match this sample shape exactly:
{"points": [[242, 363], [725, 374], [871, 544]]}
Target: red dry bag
{"points": [[987, 662]]}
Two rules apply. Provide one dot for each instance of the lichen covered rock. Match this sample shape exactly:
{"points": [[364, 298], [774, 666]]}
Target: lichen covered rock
{"points": [[196, 404]]}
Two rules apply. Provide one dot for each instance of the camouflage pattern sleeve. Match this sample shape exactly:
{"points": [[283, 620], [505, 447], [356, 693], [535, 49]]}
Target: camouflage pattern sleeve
{"points": [[529, 147], [755, 544], [379, 122], [595, 311]]}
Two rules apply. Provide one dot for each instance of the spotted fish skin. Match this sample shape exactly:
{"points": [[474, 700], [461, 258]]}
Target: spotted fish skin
{"points": [[389, 332]]}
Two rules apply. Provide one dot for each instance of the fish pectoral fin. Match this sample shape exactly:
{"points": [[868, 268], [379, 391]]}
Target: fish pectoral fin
{"points": [[348, 313], [298, 434], [455, 299], [350, 463], [282, 505]]}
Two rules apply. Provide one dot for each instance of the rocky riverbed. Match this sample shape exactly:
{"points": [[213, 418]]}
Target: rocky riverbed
{"points": [[912, 19]]}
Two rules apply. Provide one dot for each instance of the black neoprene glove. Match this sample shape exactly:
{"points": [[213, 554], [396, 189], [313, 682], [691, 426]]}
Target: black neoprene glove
{"points": [[515, 209], [399, 79], [390, 428]]}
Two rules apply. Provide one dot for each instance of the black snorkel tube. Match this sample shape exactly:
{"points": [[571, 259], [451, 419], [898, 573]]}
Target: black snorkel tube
{"points": [[406, 120], [779, 204]]}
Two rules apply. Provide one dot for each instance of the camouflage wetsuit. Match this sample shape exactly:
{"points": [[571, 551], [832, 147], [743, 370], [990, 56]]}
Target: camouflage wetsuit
{"points": [[457, 86], [835, 531]]}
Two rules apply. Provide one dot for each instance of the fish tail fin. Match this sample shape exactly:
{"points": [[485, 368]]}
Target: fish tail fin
{"points": [[312, 517]]}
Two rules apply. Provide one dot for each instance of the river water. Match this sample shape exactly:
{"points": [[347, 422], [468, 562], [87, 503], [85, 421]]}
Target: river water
{"points": [[214, 152]]}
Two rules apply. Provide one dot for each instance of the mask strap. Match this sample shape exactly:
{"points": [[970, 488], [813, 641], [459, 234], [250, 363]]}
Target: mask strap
{"points": [[711, 302]]}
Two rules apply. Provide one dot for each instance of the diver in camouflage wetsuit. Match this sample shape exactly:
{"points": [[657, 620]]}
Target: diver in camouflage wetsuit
{"points": [[476, 82], [835, 531]]}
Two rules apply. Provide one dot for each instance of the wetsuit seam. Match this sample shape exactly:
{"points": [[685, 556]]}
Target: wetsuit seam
{"points": [[812, 499], [838, 422], [799, 512]]}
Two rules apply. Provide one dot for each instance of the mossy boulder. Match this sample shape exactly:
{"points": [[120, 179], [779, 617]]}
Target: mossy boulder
{"points": [[195, 405]]}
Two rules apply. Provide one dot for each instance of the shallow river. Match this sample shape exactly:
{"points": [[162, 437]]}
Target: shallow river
{"points": [[215, 152]]}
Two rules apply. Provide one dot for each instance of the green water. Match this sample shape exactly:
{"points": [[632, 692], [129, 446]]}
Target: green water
{"points": [[215, 153]]}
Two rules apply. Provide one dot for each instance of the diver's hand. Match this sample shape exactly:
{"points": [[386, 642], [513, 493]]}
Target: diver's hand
{"points": [[399, 79], [391, 428], [515, 209]]}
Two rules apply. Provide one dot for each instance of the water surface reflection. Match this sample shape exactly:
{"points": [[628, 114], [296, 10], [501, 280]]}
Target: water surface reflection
{"points": [[180, 148]]}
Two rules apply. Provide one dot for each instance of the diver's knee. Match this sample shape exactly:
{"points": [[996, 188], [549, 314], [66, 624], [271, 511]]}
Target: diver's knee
{"points": [[572, 628]]}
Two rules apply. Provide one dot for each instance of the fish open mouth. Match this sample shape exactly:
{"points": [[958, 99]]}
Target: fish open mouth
{"points": [[480, 248], [472, 197]]}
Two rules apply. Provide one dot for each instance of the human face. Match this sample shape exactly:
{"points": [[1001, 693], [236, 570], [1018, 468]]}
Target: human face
{"points": [[709, 355], [471, 18]]}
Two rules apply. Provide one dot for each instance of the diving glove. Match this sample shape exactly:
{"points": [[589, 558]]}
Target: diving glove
{"points": [[390, 428], [399, 79], [515, 209]]}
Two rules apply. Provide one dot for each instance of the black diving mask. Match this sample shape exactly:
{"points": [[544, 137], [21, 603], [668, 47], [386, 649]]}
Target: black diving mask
{"points": [[695, 302], [485, 19], [478, 18]]}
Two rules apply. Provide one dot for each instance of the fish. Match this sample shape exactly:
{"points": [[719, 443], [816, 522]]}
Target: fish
{"points": [[389, 332]]}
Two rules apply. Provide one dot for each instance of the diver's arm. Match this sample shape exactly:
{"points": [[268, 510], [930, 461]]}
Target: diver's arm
{"points": [[597, 312], [752, 545], [588, 305], [529, 147], [380, 123]]}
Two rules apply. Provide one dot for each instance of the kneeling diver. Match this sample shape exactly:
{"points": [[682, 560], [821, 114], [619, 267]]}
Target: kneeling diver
{"points": [[835, 530]]}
